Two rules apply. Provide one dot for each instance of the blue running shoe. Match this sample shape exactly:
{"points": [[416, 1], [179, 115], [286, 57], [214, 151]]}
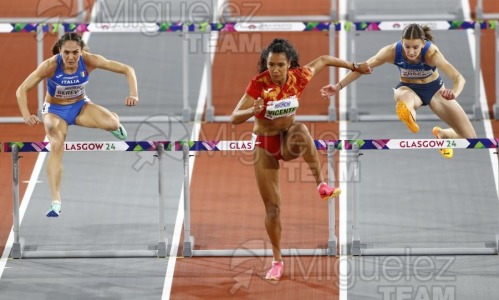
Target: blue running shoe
{"points": [[55, 210], [120, 133]]}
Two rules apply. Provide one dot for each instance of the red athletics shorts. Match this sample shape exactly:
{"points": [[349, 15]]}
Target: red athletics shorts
{"points": [[270, 143]]}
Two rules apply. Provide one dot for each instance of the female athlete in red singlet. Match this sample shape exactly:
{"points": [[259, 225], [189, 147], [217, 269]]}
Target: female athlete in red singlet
{"points": [[272, 97]]}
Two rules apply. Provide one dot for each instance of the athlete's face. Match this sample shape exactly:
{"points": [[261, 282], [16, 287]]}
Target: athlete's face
{"points": [[412, 49], [278, 65], [70, 52]]}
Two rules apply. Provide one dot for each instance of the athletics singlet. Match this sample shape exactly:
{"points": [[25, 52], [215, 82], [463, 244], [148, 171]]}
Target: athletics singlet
{"points": [[418, 70], [68, 86], [279, 101]]}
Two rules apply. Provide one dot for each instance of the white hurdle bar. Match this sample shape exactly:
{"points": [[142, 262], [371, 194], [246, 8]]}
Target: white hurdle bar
{"points": [[189, 240], [18, 247], [357, 249]]}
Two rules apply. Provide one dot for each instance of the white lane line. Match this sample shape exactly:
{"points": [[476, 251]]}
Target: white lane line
{"points": [[342, 165], [177, 232], [483, 95]]}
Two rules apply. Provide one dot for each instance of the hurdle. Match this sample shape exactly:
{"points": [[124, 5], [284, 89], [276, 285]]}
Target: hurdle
{"points": [[359, 249], [189, 241], [19, 250]]}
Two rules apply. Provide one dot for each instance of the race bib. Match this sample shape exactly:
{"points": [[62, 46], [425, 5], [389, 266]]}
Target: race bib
{"points": [[282, 108], [69, 92], [410, 73]]}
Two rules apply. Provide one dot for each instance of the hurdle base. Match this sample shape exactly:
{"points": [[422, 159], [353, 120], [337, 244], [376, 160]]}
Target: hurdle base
{"points": [[90, 254], [209, 114], [259, 252], [477, 113], [331, 116], [186, 114], [356, 248], [17, 249], [332, 248], [163, 249], [427, 251], [20, 250], [188, 250]]}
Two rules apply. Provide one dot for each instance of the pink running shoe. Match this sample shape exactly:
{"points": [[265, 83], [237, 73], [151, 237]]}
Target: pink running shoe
{"points": [[326, 192], [275, 272]]}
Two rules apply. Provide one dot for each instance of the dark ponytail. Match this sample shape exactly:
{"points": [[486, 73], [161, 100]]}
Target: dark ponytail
{"points": [[70, 36], [278, 46], [416, 31]]}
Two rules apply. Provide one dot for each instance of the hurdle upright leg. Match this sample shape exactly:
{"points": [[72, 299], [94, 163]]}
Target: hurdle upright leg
{"points": [[18, 245], [355, 201], [162, 243], [188, 239], [332, 242]]}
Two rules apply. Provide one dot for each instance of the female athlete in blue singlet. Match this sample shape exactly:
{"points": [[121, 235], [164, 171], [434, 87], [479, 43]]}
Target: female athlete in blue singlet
{"points": [[66, 103], [420, 84]]}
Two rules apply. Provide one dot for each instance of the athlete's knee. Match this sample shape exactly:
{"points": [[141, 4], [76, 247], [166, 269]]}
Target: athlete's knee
{"points": [[299, 132], [56, 138], [113, 123], [403, 94], [56, 145], [272, 211]]}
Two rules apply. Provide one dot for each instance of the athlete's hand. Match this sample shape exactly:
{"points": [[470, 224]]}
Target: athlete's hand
{"points": [[258, 105], [448, 94], [330, 90], [131, 100], [363, 68], [32, 120]]}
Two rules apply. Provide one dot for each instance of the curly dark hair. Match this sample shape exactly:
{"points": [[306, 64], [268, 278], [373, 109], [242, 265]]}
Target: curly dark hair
{"points": [[70, 36], [416, 31], [278, 45]]}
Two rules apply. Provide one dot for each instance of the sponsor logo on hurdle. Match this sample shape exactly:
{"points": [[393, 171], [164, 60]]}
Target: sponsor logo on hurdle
{"points": [[84, 146], [427, 143], [422, 144], [241, 145]]}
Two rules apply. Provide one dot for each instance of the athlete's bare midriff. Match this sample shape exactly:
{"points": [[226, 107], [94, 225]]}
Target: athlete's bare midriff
{"points": [[272, 127], [55, 100]]}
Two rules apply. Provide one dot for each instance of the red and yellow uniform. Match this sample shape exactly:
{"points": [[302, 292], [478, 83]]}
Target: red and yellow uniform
{"points": [[279, 101], [263, 87]]}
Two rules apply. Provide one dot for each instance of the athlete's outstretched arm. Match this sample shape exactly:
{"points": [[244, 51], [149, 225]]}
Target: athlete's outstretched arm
{"points": [[330, 61], [384, 55], [95, 61]]}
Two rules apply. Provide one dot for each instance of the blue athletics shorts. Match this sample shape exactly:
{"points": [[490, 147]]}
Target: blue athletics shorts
{"points": [[425, 91], [67, 112]]}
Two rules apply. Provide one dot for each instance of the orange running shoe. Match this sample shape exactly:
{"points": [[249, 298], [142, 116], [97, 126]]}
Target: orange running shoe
{"points": [[326, 192], [446, 152], [405, 116]]}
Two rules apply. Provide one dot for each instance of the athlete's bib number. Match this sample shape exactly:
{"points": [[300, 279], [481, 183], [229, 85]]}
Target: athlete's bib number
{"points": [[69, 92], [282, 108]]}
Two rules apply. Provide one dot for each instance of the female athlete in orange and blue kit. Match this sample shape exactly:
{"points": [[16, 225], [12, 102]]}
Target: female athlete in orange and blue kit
{"points": [[420, 83]]}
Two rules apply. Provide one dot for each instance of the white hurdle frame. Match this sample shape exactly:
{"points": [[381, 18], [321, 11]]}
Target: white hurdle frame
{"points": [[189, 240], [18, 250], [358, 249]]}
